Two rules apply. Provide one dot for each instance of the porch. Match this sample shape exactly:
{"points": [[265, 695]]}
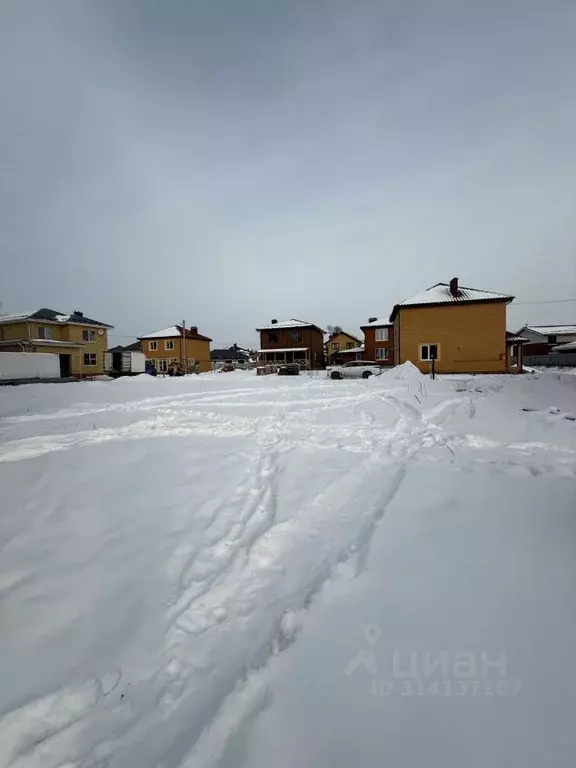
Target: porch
{"points": [[297, 355]]}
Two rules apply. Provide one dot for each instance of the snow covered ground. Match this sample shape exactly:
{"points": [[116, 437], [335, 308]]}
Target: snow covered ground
{"points": [[239, 571]]}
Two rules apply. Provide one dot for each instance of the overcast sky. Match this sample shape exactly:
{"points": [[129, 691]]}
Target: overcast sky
{"points": [[230, 161]]}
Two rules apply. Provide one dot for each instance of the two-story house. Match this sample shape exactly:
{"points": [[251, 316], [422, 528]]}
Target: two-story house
{"points": [[171, 348], [379, 340], [338, 345], [292, 341], [79, 341], [462, 329]]}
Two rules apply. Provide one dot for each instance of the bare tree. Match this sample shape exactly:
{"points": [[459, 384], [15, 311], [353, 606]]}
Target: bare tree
{"points": [[333, 330]]}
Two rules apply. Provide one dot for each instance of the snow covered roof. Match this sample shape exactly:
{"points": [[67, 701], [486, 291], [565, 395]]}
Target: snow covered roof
{"points": [[513, 338], [441, 294], [377, 323], [51, 316], [175, 332], [551, 330], [292, 323], [568, 347], [352, 351], [288, 349]]}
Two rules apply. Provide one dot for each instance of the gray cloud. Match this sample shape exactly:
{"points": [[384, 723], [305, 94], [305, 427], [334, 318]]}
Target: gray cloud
{"points": [[226, 162]]}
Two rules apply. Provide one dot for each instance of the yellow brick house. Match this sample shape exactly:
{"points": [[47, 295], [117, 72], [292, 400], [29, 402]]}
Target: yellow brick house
{"points": [[338, 343], [79, 341], [171, 348], [464, 329]]}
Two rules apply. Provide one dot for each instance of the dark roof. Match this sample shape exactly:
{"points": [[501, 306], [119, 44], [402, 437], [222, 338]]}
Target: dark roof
{"points": [[228, 354], [135, 347], [51, 316]]}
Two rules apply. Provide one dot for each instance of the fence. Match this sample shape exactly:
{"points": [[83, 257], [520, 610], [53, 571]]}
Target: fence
{"points": [[559, 360]]}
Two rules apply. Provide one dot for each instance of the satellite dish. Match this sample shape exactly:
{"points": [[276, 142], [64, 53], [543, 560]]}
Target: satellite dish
{"points": [[100, 331]]}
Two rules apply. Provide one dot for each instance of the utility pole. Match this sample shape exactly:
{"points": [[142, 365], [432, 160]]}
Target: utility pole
{"points": [[183, 347]]}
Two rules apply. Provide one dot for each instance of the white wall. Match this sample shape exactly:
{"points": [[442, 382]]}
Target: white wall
{"points": [[29, 365]]}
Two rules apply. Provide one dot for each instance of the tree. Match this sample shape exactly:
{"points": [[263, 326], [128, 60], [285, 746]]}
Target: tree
{"points": [[333, 330]]}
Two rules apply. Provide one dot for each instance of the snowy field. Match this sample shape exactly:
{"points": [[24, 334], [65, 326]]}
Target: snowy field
{"points": [[243, 572]]}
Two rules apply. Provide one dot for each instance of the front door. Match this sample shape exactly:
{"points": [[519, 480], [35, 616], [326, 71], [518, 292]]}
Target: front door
{"points": [[64, 366]]}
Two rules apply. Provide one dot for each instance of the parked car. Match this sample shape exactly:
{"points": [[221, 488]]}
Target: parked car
{"points": [[289, 370], [356, 369]]}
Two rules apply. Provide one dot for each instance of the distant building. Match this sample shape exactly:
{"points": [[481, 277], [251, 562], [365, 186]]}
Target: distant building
{"points": [[231, 356], [338, 344], [169, 348], [79, 341], [292, 341], [542, 338]]}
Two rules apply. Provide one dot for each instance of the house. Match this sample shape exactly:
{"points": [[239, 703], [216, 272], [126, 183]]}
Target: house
{"points": [[542, 338], [379, 340], [136, 346], [231, 356], [337, 344], [171, 348], [463, 329], [355, 353], [292, 341], [79, 341]]}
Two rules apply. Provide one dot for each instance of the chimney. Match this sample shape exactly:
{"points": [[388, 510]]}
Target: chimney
{"points": [[193, 329], [274, 321], [454, 287], [77, 312], [372, 319]]}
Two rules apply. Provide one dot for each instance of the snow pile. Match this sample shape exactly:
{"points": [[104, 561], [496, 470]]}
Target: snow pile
{"points": [[406, 372], [195, 569]]}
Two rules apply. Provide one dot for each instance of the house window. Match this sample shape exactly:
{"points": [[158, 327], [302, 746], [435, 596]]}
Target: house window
{"points": [[153, 346], [381, 334], [382, 353], [88, 335], [335, 346], [272, 338], [296, 335], [552, 339], [90, 359], [429, 352], [168, 345], [161, 365], [1, 334], [44, 333], [191, 362], [350, 345]]}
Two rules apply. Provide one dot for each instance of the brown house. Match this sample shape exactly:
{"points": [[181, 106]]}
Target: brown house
{"points": [[379, 341], [463, 329], [171, 349], [79, 341], [292, 341]]}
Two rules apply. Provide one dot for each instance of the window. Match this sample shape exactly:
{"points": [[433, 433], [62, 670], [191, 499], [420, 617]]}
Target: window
{"points": [[153, 346], [174, 360], [44, 333], [1, 334], [350, 345], [381, 334], [161, 365], [169, 344], [552, 339], [90, 359], [272, 338], [297, 335], [88, 335], [335, 346], [429, 352], [382, 353]]}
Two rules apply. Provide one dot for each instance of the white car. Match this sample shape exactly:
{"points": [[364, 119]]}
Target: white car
{"points": [[357, 369]]}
